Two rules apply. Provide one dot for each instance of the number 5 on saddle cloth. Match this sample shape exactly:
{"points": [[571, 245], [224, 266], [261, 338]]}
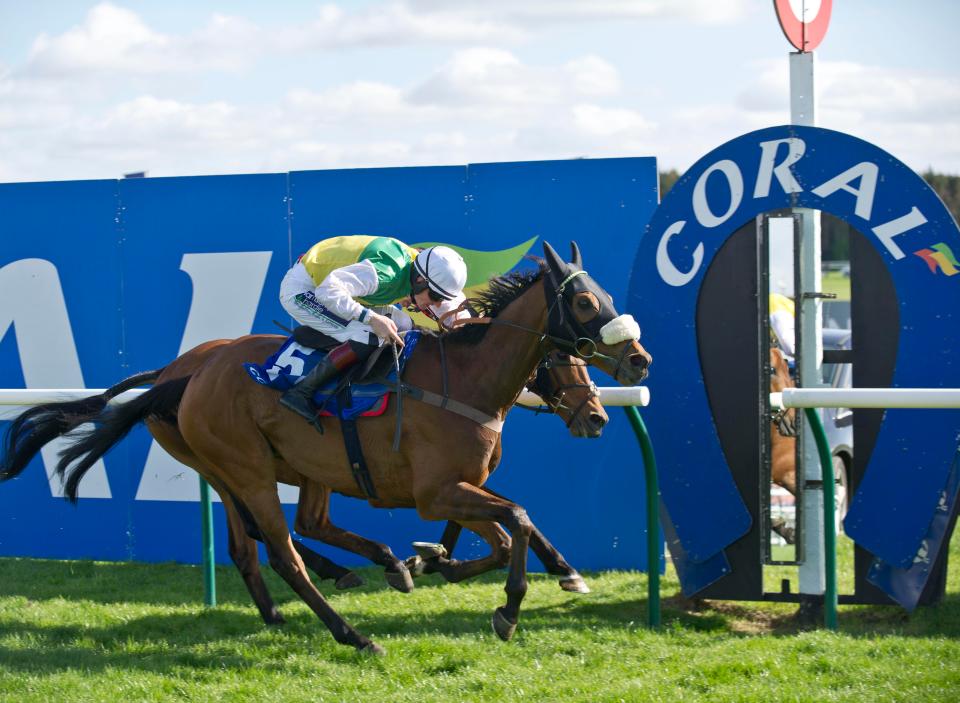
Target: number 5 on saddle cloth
{"points": [[292, 361]]}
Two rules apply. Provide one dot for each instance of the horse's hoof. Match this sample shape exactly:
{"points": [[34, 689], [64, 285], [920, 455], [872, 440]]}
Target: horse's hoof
{"points": [[503, 627], [373, 650], [429, 550], [400, 580], [415, 565], [574, 584], [274, 618], [348, 580]]}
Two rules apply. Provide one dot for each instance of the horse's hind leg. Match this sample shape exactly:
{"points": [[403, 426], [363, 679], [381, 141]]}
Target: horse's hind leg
{"points": [[264, 506], [313, 521], [243, 552]]}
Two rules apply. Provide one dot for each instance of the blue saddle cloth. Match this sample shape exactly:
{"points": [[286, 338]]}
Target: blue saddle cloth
{"points": [[292, 361]]}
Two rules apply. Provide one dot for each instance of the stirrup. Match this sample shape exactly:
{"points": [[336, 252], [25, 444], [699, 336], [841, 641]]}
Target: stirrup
{"points": [[308, 411]]}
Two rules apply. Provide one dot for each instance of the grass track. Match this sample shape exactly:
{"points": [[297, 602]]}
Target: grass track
{"points": [[85, 631]]}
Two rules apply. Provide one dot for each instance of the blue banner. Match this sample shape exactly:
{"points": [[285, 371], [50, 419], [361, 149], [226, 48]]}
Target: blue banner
{"points": [[100, 280]]}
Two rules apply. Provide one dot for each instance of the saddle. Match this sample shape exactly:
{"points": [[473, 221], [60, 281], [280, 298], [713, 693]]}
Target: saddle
{"points": [[361, 391]]}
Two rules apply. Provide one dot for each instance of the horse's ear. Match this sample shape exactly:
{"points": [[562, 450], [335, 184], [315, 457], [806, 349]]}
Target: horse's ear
{"points": [[575, 256], [553, 259]]}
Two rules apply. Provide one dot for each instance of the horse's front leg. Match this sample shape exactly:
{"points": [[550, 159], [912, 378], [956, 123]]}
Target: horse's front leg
{"points": [[454, 570], [464, 502], [553, 561]]}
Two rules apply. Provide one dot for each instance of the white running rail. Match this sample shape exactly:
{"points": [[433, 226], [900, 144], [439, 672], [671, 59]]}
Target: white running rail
{"points": [[866, 398]]}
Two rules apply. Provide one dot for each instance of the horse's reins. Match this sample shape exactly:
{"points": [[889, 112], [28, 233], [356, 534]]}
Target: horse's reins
{"points": [[445, 402], [572, 347], [554, 401]]}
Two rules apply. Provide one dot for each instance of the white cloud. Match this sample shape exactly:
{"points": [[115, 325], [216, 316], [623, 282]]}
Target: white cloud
{"points": [[112, 40], [536, 13], [110, 95], [397, 23], [912, 114], [497, 79]]}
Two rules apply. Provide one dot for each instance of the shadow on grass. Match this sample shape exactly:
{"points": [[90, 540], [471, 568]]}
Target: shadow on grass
{"points": [[219, 636]]}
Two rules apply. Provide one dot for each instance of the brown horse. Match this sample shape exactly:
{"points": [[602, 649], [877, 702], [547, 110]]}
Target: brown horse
{"points": [[562, 381], [783, 427], [783, 440], [242, 438]]}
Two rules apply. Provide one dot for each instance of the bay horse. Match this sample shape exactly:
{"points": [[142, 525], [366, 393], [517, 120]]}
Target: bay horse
{"points": [[561, 380], [783, 440], [243, 439]]}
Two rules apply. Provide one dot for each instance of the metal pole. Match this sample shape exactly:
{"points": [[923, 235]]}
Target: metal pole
{"points": [[206, 520], [829, 523], [803, 112], [653, 516]]}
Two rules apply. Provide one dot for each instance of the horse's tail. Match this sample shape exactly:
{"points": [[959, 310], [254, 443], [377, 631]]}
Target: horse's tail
{"points": [[111, 426], [35, 427]]}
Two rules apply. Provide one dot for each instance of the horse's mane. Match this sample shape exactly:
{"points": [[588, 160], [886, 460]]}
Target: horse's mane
{"points": [[502, 291]]}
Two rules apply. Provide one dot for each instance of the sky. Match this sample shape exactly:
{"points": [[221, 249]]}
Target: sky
{"points": [[94, 90]]}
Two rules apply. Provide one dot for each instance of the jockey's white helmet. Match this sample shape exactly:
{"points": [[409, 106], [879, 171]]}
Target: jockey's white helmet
{"points": [[443, 269]]}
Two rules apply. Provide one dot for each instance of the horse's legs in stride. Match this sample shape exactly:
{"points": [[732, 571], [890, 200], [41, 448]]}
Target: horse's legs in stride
{"points": [[467, 503], [553, 561], [243, 552], [264, 506], [240, 521], [313, 521], [454, 570]]}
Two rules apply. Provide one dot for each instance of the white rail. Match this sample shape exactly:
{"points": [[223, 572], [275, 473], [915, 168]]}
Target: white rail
{"points": [[613, 396], [866, 398]]}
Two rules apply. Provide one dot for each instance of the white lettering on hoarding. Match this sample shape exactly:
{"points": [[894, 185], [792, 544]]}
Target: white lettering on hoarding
{"points": [[701, 208], [768, 152], [888, 230], [865, 173], [668, 272], [31, 299], [226, 293]]}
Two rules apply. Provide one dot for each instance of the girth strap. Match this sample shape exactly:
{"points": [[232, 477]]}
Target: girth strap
{"points": [[358, 464], [454, 406]]}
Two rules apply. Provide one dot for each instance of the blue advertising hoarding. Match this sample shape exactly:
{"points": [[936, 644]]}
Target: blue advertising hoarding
{"points": [[103, 279]]}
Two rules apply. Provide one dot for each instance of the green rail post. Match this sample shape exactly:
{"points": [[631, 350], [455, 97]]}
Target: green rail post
{"points": [[829, 521], [653, 515], [206, 520]]}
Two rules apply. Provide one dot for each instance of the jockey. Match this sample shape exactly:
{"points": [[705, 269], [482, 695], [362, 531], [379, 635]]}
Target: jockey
{"points": [[347, 287], [782, 316]]}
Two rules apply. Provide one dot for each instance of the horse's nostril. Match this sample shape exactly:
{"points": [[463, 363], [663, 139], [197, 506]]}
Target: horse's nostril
{"points": [[640, 361], [597, 420]]}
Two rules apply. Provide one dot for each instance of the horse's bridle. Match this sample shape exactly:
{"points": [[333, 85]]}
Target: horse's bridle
{"points": [[542, 384], [785, 428]]}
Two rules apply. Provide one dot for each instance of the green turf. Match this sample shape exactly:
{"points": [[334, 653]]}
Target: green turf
{"points": [[836, 282], [83, 631]]}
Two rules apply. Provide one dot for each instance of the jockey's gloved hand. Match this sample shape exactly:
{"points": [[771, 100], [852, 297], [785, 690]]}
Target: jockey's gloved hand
{"points": [[385, 328]]}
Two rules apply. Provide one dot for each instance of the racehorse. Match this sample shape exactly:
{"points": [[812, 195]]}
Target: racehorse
{"points": [[561, 380], [783, 439], [243, 440]]}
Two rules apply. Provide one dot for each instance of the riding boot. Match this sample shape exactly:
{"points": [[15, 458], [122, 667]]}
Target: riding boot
{"points": [[299, 399]]}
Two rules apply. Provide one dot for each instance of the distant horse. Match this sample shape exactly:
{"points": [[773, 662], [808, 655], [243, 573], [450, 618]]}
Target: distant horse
{"points": [[243, 440], [783, 439]]}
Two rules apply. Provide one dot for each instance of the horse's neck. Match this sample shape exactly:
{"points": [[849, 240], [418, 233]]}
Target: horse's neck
{"points": [[496, 369]]}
